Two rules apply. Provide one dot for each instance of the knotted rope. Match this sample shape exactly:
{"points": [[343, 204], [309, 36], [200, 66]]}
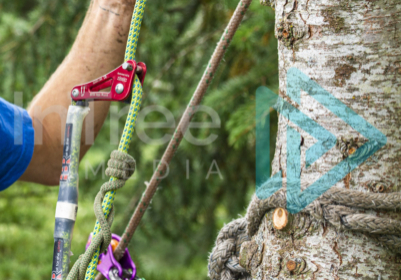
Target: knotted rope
{"points": [[334, 206], [120, 166]]}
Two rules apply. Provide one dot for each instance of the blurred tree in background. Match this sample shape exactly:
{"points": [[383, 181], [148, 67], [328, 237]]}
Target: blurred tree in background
{"points": [[190, 207]]}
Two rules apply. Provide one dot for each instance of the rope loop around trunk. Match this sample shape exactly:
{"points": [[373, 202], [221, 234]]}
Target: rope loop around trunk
{"points": [[339, 207]]}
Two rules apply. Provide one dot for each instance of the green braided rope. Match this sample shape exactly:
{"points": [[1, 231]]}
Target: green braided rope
{"points": [[125, 141], [104, 215]]}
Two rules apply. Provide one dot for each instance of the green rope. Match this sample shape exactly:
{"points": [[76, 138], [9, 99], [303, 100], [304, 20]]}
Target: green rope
{"points": [[120, 166], [125, 141], [101, 235]]}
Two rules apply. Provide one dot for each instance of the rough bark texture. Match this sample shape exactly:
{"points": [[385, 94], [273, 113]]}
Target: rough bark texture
{"points": [[352, 49]]}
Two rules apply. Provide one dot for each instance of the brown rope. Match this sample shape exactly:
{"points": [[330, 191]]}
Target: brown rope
{"points": [[182, 126]]}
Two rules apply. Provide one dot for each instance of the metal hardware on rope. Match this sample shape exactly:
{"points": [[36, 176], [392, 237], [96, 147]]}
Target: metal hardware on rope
{"points": [[120, 80], [110, 267], [108, 198], [122, 89]]}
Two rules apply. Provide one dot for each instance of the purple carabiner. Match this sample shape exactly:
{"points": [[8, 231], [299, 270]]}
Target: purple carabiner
{"points": [[107, 262]]}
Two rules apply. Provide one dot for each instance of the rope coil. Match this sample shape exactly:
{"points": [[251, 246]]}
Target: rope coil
{"points": [[121, 166]]}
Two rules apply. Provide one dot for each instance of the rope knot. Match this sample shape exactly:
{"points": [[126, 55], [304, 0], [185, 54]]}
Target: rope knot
{"points": [[120, 165]]}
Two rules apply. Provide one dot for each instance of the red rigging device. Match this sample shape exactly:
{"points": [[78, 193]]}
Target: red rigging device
{"points": [[120, 81]]}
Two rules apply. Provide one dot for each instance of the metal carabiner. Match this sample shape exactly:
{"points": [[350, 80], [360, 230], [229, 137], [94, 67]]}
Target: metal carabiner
{"points": [[125, 269]]}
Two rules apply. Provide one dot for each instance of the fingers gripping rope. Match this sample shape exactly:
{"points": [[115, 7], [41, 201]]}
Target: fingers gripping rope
{"points": [[120, 166]]}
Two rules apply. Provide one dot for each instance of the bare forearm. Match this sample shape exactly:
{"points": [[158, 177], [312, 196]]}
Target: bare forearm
{"points": [[98, 48]]}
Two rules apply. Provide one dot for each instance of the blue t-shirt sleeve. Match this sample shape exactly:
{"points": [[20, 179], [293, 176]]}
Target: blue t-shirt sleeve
{"points": [[16, 142]]}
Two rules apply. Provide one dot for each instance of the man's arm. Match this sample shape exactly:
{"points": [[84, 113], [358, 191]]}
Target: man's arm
{"points": [[98, 49]]}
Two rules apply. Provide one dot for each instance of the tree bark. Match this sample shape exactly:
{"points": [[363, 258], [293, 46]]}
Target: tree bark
{"points": [[352, 49]]}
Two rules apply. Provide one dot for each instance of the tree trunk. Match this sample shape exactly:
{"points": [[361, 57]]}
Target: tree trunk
{"points": [[352, 49]]}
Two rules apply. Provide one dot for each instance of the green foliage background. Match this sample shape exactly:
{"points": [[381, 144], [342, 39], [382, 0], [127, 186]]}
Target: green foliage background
{"points": [[186, 214]]}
